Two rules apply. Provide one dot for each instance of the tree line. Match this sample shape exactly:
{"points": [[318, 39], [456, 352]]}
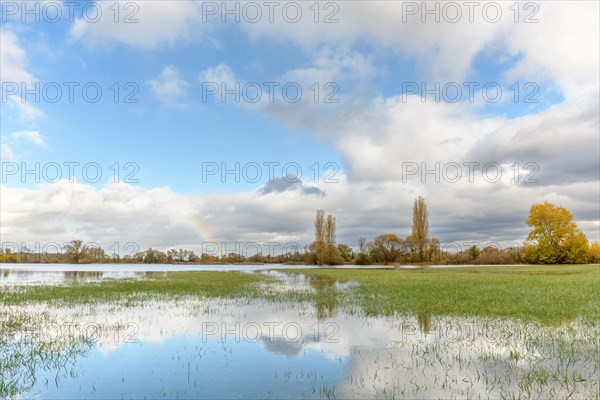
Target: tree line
{"points": [[554, 238]]}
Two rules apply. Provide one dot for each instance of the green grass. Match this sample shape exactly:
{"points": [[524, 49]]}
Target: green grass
{"points": [[172, 285], [549, 294]]}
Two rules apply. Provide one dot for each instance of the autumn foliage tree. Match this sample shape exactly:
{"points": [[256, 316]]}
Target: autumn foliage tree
{"points": [[554, 237], [75, 251], [595, 252], [387, 248], [324, 247]]}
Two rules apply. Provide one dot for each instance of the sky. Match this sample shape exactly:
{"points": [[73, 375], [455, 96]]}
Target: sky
{"points": [[192, 123]]}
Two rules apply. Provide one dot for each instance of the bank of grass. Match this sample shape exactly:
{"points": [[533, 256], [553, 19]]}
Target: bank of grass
{"points": [[201, 284], [550, 294]]}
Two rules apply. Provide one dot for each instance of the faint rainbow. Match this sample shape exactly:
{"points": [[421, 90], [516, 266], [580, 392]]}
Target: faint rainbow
{"points": [[203, 233]]}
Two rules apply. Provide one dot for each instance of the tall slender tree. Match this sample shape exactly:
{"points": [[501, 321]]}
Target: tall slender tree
{"points": [[324, 246], [319, 243], [330, 248], [420, 228], [330, 230]]}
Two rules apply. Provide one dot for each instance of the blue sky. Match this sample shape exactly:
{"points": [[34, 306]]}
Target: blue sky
{"points": [[131, 124], [168, 142], [370, 56]]}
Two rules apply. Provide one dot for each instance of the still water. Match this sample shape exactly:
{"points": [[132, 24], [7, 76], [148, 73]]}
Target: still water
{"points": [[24, 274], [253, 348]]}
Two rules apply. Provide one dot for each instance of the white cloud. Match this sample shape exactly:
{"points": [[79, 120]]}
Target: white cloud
{"points": [[14, 71], [162, 218], [374, 136], [33, 137], [150, 23], [169, 88], [20, 142], [218, 74], [14, 59], [562, 47], [329, 66], [443, 50]]}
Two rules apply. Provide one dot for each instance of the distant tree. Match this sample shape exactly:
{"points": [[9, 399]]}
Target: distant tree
{"points": [[362, 258], [386, 248], [433, 250], [332, 254], [232, 258], [473, 252], [94, 253], [171, 255], [6, 256], [362, 245], [75, 251], [207, 258], [153, 256], [554, 237], [345, 252], [420, 228], [323, 247], [191, 256], [319, 242], [330, 230], [411, 249]]}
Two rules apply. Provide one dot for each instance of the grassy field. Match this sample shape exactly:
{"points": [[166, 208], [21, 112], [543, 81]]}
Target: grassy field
{"points": [[549, 294], [170, 285]]}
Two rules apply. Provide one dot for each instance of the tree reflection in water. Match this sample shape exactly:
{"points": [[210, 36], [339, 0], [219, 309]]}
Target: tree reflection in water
{"points": [[82, 276], [325, 299], [424, 321]]}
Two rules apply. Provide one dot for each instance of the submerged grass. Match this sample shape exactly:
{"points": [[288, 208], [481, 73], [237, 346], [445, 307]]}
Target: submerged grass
{"points": [[22, 353], [201, 284], [507, 359], [550, 294]]}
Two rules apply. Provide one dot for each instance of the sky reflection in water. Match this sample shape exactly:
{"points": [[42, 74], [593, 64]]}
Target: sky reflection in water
{"points": [[257, 349]]}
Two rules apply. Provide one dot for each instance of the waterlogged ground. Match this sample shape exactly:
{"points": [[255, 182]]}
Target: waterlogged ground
{"points": [[277, 346]]}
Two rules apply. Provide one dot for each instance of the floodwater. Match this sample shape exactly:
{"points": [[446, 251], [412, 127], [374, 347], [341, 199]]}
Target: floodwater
{"points": [[47, 274], [253, 348]]}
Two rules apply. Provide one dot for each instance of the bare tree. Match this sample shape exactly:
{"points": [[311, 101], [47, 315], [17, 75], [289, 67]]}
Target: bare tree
{"points": [[362, 245]]}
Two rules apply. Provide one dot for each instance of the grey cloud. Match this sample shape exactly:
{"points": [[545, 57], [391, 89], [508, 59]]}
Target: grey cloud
{"points": [[562, 141], [278, 185]]}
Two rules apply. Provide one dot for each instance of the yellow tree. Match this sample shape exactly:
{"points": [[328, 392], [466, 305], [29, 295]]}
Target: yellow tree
{"points": [[595, 252], [554, 237], [324, 246]]}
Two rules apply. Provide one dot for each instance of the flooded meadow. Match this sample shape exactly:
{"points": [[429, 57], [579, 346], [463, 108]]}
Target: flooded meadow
{"points": [[294, 340]]}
